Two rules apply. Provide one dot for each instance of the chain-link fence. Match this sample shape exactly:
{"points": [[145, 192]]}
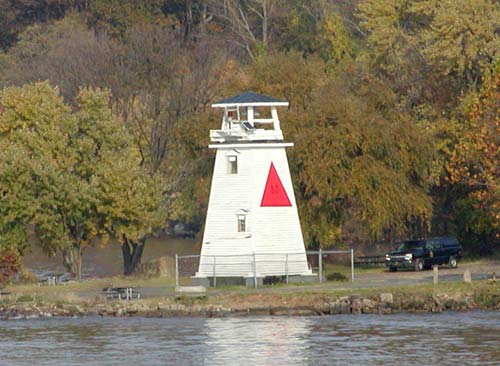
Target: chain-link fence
{"points": [[327, 265], [332, 265]]}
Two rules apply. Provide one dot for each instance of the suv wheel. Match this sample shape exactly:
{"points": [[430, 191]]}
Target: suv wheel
{"points": [[453, 262], [419, 265]]}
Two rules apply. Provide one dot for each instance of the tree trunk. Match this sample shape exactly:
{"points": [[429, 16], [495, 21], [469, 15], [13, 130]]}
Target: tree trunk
{"points": [[132, 254], [72, 260]]}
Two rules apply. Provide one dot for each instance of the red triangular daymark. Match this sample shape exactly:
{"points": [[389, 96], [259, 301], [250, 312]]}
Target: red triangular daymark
{"points": [[274, 193]]}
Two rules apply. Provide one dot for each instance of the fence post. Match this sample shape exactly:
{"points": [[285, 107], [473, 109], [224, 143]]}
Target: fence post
{"points": [[254, 270], [214, 271], [352, 264], [286, 267], [320, 263], [176, 271]]}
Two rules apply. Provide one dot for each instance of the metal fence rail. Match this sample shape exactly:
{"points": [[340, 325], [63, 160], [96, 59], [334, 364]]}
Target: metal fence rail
{"points": [[258, 264], [322, 253]]}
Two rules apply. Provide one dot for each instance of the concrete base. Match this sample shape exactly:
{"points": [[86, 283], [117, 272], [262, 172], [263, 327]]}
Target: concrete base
{"points": [[250, 281], [200, 281], [221, 281], [303, 278], [191, 289]]}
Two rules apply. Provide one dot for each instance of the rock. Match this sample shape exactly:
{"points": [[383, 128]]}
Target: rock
{"points": [[467, 276], [386, 298], [73, 309], [162, 307], [383, 309], [368, 306], [345, 305], [356, 304], [368, 303], [132, 309], [335, 308]]}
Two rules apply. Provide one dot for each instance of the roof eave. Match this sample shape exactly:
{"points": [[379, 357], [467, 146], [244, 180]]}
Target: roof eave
{"points": [[254, 104]]}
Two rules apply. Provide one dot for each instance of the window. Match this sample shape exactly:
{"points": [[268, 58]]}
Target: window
{"points": [[242, 223], [232, 165]]}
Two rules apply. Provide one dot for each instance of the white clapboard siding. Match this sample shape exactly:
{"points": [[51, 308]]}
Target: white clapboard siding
{"points": [[272, 230]]}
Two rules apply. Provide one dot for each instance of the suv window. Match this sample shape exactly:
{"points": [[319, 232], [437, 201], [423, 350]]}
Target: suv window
{"points": [[450, 242], [411, 244], [433, 245]]}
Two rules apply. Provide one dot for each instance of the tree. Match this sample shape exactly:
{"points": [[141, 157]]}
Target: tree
{"points": [[116, 17], [432, 52], [473, 164], [375, 166], [251, 23], [16, 15], [68, 163], [462, 39]]}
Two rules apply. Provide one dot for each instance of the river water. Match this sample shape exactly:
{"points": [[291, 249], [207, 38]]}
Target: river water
{"points": [[471, 338]]}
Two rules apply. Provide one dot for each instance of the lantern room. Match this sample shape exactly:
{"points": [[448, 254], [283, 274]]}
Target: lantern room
{"points": [[249, 117]]}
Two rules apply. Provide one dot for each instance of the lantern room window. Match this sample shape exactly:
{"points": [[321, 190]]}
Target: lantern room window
{"points": [[242, 223], [232, 165]]}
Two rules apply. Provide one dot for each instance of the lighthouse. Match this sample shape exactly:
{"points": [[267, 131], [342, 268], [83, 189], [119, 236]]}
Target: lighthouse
{"points": [[252, 229]]}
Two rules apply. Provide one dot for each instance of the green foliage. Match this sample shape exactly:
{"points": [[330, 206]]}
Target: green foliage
{"points": [[362, 160], [472, 167], [288, 75], [16, 15], [462, 38], [336, 43], [71, 176], [395, 100], [117, 16]]}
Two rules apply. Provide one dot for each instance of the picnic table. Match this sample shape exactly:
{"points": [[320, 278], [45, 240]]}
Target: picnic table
{"points": [[52, 279], [121, 293]]}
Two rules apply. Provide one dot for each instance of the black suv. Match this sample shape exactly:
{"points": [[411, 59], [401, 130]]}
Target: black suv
{"points": [[424, 253]]}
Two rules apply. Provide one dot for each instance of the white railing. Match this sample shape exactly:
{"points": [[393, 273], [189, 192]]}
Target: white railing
{"points": [[244, 135]]}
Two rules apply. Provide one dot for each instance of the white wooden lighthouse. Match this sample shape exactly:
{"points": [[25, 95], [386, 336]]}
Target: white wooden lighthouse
{"points": [[252, 228]]}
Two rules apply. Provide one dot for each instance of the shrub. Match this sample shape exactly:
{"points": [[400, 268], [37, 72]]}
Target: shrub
{"points": [[336, 276], [10, 263]]}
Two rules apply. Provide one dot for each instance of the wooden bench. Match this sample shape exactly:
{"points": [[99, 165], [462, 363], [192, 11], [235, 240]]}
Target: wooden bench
{"points": [[121, 293], [370, 260]]}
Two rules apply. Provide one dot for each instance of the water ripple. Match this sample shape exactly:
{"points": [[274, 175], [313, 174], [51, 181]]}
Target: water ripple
{"points": [[411, 339]]}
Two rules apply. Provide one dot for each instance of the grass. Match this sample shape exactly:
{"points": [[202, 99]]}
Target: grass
{"points": [[238, 297], [89, 286], [87, 290]]}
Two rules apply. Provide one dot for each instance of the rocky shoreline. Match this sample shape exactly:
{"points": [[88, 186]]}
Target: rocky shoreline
{"points": [[299, 305]]}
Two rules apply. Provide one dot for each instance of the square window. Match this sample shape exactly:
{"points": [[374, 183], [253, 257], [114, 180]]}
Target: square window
{"points": [[232, 165]]}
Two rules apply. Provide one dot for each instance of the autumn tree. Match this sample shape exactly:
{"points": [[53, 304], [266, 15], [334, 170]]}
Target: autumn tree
{"points": [[62, 167], [473, 165], [116, 17], [15, 16], [250, 23]]}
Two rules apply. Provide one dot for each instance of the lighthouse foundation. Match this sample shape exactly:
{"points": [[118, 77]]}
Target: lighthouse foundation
{"points": [[252, 281]]}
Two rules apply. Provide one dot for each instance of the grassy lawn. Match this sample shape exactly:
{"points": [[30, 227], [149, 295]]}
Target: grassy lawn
{"points": [[156, 288]]}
